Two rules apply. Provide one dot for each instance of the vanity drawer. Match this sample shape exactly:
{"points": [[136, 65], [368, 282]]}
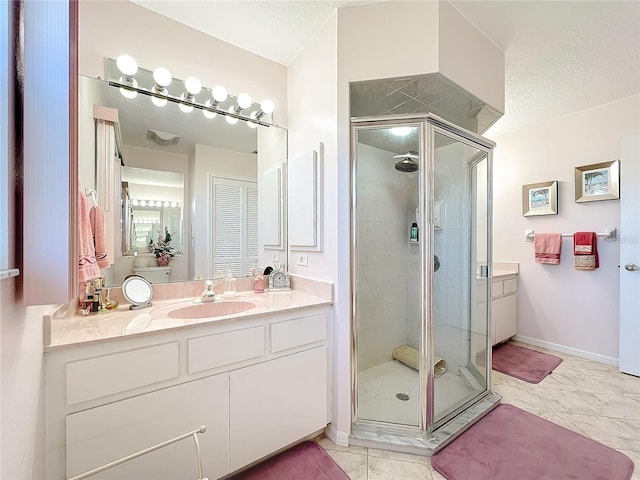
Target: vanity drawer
{"points": [[510, 286], [226, 348], [297, 332], [102, 376], [497, 289]]}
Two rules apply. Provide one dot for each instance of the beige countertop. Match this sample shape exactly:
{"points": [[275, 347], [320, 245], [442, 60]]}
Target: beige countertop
{"points": [[122, 322]]}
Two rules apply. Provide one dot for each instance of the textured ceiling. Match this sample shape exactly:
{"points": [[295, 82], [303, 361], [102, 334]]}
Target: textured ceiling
{"points": [[560, 56]]}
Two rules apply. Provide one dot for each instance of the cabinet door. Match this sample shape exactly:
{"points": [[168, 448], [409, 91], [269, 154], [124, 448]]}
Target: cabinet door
{"points": [[504, 314], [103, 434], [276, 403]]}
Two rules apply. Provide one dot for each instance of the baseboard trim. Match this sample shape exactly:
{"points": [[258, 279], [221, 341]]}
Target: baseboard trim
{"points": [[570, 350], [339, 438]]}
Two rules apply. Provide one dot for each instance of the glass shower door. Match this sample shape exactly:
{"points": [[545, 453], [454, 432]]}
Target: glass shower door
{"points": [[461, 247], [386, 259]]}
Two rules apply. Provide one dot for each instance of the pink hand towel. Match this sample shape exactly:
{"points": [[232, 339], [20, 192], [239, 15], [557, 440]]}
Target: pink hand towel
{"points": [[97, 227], [585, 251], [87, 264], [547, 247]]}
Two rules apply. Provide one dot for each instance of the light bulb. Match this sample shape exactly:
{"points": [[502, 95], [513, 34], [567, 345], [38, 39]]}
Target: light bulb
{"points": [[185, 108], [267, 107], [401, 131], [244, 101], [253, 117], [174, 204], [134, 203], [193, 85], [130, 94], [157, 101], [162, 77], [231, 120], [219, 93], [143, 203], [207, 113], [127, 65], [165, 204]]}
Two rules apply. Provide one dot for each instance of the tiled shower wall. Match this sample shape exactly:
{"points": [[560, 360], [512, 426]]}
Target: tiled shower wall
{"points": [[382, 255]]}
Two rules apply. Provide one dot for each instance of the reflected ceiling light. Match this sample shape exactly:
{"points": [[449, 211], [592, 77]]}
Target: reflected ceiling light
{"points": [[163, 138], [401, 131], [128, 93], [209, 104], [162, 78]]}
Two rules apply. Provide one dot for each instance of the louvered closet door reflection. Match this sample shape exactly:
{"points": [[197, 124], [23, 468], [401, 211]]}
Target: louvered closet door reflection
{"points": [[235, 226]]}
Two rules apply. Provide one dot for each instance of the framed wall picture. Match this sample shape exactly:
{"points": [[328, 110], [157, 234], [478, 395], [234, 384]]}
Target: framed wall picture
{"points": [[540, 199], [600, 181]]}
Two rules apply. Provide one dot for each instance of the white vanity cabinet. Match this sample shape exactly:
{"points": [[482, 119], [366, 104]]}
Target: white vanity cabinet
{"points": [[504, 307], [259, 384]]}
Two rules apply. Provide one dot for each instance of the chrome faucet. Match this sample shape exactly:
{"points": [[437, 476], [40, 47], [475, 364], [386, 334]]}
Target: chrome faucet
{"points": [[208, 295]]}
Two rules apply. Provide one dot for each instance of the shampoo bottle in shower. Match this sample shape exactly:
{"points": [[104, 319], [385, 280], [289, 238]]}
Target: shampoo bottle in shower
{"points": [[413, 233]]}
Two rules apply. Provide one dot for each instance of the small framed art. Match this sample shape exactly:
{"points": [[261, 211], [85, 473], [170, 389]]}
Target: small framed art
{"points": [[540, 199], [600, 181]]}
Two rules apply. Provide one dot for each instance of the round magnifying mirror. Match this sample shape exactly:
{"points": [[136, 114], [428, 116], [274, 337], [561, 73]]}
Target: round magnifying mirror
{"points": [[138, 291]]}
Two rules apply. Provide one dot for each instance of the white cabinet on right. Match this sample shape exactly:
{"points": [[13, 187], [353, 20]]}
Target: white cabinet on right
{"points": [[504, 308], [276, 403]]}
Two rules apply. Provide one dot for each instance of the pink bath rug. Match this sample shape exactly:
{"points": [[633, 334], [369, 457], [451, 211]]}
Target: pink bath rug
{"points": [[523, 363], [511, 444], [307, 461]]}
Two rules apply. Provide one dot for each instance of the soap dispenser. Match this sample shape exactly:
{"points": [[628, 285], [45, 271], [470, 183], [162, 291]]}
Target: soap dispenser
{"points": [[229, 285]]}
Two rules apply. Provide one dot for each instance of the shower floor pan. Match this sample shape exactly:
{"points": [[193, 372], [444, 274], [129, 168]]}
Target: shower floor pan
{"points": [[389, 393]]}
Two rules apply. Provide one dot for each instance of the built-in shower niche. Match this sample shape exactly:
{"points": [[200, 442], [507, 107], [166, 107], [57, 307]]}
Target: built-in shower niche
{"points": [[406, 302]]}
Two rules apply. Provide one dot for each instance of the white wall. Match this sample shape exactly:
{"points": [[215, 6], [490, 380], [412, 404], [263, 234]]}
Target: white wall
{"points": [[111, 28], [468, 58], [312, 115], [559, 304]]}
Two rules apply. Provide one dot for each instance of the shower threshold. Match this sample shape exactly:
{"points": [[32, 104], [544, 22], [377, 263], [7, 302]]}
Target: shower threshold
{"points": [[410, 440]]}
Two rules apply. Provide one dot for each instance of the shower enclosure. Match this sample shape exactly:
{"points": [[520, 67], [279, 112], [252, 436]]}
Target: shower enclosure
{"points": [[421, 259]]}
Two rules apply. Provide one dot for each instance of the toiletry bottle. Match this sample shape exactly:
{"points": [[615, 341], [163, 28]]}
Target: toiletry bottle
{"points": [[86, 306], [413, 233], [258, 283], [229, 285]]}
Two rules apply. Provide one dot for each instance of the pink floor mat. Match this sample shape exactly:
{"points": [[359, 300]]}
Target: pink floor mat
{"points": [[511, 444], [307, 461], [523, 363]]}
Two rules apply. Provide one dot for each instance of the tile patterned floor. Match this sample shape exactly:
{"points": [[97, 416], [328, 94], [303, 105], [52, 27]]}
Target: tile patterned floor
{"points": [[587, 397]]}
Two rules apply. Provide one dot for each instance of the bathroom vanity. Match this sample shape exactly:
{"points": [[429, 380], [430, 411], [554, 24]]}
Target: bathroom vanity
{"points": [[120, 382], [504, 302]]}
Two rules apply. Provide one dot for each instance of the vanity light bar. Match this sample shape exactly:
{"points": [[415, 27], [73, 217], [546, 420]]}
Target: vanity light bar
{"points": [[188, 94], [154, 203]]}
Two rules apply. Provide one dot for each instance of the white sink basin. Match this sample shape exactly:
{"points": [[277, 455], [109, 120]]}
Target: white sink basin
{"points": [[211, 309]]}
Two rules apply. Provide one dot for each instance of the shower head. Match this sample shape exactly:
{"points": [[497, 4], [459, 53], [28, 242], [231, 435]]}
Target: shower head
{"points": [[407, 162]]}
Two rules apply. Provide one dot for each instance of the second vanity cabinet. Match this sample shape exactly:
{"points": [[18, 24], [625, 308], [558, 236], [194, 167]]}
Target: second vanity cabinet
{"points": [[259, 384], [504, 307]]}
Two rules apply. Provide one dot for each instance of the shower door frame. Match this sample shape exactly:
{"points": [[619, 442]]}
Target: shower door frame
{"points": [[428, 124]]}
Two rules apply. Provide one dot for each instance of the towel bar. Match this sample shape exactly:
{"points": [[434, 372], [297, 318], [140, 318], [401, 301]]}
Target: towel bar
{"points": [[115, 463], [609, 234]]}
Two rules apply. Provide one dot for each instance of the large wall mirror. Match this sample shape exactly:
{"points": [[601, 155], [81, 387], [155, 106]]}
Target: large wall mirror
{"points": [[216, 189]]}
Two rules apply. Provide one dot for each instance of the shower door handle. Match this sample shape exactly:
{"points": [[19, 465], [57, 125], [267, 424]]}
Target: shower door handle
{"points": [[484, 271]]}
